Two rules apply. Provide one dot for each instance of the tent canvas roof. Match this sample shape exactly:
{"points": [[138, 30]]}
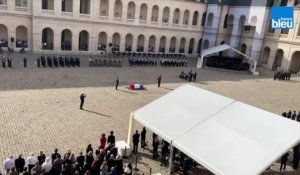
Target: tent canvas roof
{"points": [[226, 136]]}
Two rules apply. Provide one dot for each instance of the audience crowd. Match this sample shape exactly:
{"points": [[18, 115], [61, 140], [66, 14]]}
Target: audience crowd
{"points": [[104, 160]]}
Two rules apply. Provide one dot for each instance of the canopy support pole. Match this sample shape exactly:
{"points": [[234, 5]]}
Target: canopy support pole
{"points": [[200, 65], [130, 129], [171, 159]]}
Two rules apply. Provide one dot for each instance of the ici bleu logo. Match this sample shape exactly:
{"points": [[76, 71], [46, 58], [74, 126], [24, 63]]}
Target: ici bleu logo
{"points": [[282, 18]]}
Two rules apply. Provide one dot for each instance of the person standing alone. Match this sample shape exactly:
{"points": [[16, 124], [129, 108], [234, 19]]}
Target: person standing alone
{"points": [[82, 97], [117, 83], [158, 80], [135, 140], [25, 62]]}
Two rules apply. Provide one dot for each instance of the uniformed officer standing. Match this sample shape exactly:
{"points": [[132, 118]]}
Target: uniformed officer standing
{"points": [[117, 83], [38, 62], [158, 81], [82, 97], [3, 61], [9, 61], [25, 62]]}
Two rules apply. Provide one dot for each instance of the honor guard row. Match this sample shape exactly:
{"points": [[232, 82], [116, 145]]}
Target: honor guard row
{"points": [[142, 62], [105, 62], [7, 59], [58, 62], [166, 62], [282, 76], [148, 55]]}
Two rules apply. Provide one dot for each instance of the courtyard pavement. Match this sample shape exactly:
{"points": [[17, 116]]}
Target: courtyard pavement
{"points": [[39, 108]]}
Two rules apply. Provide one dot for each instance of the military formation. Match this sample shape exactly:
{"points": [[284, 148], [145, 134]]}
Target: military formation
{"points": [[282, 75], [105, 62], [58, 61], [6, 61], [169, 62], [142, 62]]}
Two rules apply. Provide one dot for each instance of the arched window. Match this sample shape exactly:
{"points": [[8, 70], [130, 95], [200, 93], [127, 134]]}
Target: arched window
{"points": [[143, 12], [66, 40], [47, 39], [131, 10], [104, 6], [102, 41], [83, 41], [166, 15], [21, 37], [195, 18], [210, 19], [154, 16], [118, 9]]}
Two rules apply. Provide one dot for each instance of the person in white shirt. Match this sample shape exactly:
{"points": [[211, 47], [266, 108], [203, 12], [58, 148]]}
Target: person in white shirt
{"points": [[47, 165], [8, 163], [31, 160]]}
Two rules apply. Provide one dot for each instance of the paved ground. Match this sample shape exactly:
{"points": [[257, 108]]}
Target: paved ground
{"points": [[39, 107]]}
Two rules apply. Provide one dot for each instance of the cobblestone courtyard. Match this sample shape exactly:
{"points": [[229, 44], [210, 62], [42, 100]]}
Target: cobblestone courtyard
{"points": [[39, 108]]}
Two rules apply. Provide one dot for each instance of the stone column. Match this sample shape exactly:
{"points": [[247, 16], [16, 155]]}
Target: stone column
{"points": [[167, 49], [124, 11], [76, 7], [122, 43], [157, 44], [149, 15], [111, 9], [57, 7], [57, 40], [187, 44], [134, 42], [146, 43], [171, 17], [75, 42], [137, 13]]}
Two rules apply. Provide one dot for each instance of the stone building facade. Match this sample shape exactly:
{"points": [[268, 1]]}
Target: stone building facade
{"points": [[167, 26]]}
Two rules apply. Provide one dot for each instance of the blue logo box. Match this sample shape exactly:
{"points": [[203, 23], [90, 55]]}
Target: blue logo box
{"points": [[282, 18]]}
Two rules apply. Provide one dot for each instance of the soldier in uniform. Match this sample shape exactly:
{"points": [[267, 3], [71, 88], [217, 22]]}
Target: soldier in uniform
{"points": [[43, 59], [25, 62], [38, 60], [9, 61], [3, 61], [82, 97], [55, 61]]}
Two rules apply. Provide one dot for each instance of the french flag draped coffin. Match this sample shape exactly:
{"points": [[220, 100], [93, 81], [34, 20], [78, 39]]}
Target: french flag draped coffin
{"points": [[134, 86]]}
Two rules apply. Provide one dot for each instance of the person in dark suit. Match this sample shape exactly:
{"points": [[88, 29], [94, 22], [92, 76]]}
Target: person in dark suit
{"points": [[194, 76], [289, 114], [111, 139], [143, 138], [294, 115], [80, 159], [117, 83], [135, 140], [82, 97], [54, 155], [25, 62], [284, 160], [158, 80], [20, 163]]}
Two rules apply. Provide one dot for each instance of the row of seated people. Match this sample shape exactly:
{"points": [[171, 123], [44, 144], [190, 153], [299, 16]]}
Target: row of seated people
{"points": [[105, 62], [102, 160], [282, 75], [21, 43], [102, 47], [142, 62], [53, 61], [66, 45], [167, 62], [3, 43], [148, 55]]}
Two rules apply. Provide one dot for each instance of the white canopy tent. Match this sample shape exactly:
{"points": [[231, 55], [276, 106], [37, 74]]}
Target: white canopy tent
{"points": [[225, 136], [221, 48]]}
